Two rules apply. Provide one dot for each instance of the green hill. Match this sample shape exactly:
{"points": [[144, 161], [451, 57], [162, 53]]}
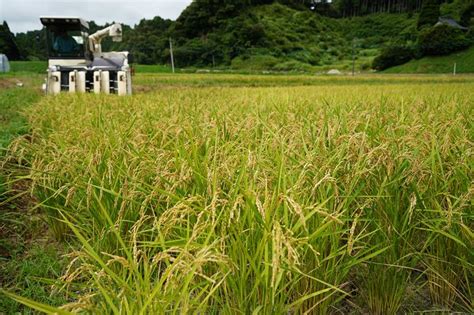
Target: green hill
{"points": [[279, 37], [282, 35], [314, 42], [442, 64]]}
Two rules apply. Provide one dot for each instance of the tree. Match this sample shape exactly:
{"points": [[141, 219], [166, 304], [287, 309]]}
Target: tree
{"points": [[347, 8], [429, 14], [32, 44], [442, 40], [466, 15], [148, 40], [7, 43], [392, 56]]}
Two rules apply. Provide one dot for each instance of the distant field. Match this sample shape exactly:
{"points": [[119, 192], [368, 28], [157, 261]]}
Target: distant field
{"points": [[149, 82], [29, 66], [152, 69], [41, 66], [14, 100], [219, 193]]}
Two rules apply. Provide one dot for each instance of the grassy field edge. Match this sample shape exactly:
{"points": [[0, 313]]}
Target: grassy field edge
{"points": [[29, 256]]}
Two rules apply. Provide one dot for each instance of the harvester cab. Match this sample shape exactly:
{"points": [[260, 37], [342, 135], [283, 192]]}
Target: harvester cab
{"points": [[76, 62]]}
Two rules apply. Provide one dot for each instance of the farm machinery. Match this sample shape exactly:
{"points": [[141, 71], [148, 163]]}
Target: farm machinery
{"points": [[76, 62]]}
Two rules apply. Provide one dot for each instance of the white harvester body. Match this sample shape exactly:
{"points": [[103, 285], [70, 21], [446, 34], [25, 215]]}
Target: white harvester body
{"points": [[76, 62]]}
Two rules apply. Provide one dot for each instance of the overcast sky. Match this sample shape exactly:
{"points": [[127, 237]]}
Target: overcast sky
{"points": [[23, 15]]}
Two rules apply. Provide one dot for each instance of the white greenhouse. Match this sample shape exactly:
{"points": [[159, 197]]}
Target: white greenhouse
{"points": [[4, 64]]}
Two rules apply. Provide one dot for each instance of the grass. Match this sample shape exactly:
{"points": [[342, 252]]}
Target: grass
{"points": [[361, 62], [30, 275], [29, 66], [12, 101], [148, 82], [27, 255], [12, 122], [152, 69], [207, 195], [444, 64]]}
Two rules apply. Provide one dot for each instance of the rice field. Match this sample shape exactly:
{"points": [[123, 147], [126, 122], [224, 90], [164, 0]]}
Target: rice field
{"points": [[227, 194]]}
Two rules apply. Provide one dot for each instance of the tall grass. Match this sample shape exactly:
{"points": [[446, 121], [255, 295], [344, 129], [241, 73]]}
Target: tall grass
{"points": [[267, 200]]}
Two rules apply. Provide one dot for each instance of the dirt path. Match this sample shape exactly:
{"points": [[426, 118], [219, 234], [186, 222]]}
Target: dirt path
{"points": [[6, 83]]}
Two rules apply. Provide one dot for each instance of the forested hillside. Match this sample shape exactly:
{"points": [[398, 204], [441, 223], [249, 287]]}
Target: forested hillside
{"points": [[289, 34]]}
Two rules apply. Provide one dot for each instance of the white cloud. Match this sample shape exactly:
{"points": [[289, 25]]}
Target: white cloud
{"points": [[23, 15]]}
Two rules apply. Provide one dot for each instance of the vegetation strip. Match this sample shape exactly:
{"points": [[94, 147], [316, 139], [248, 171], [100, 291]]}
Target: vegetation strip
{"points": [[29, 256]]}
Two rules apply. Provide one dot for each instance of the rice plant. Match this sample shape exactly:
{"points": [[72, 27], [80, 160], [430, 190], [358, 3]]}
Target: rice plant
{"points": [[290, 199]]}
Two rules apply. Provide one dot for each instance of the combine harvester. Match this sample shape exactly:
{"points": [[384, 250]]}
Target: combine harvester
{"points": [[76, 62]]}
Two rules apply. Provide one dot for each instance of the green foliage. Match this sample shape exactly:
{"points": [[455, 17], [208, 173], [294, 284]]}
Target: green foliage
{"points": [[439, 64], [147, 42], [30, 274], [259, 32], [28, 66], [429, 14], [212, 33], [392, 56], [8, 44], [32, 45], [348, 8], [467, 14], [12, 122], [257, 62], [292, 65], [203, 16], [376, 30], [195, 52], [442, 40], [308, 40], [452, 9], [27, 259], [152, 69]]}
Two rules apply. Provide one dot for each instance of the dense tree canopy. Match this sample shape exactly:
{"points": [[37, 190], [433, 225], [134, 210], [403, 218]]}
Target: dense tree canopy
{"points": [[467, 14], [361, 7], [32, 45], [442, 40], [429, 14], [8, 44], [148, 40]]}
